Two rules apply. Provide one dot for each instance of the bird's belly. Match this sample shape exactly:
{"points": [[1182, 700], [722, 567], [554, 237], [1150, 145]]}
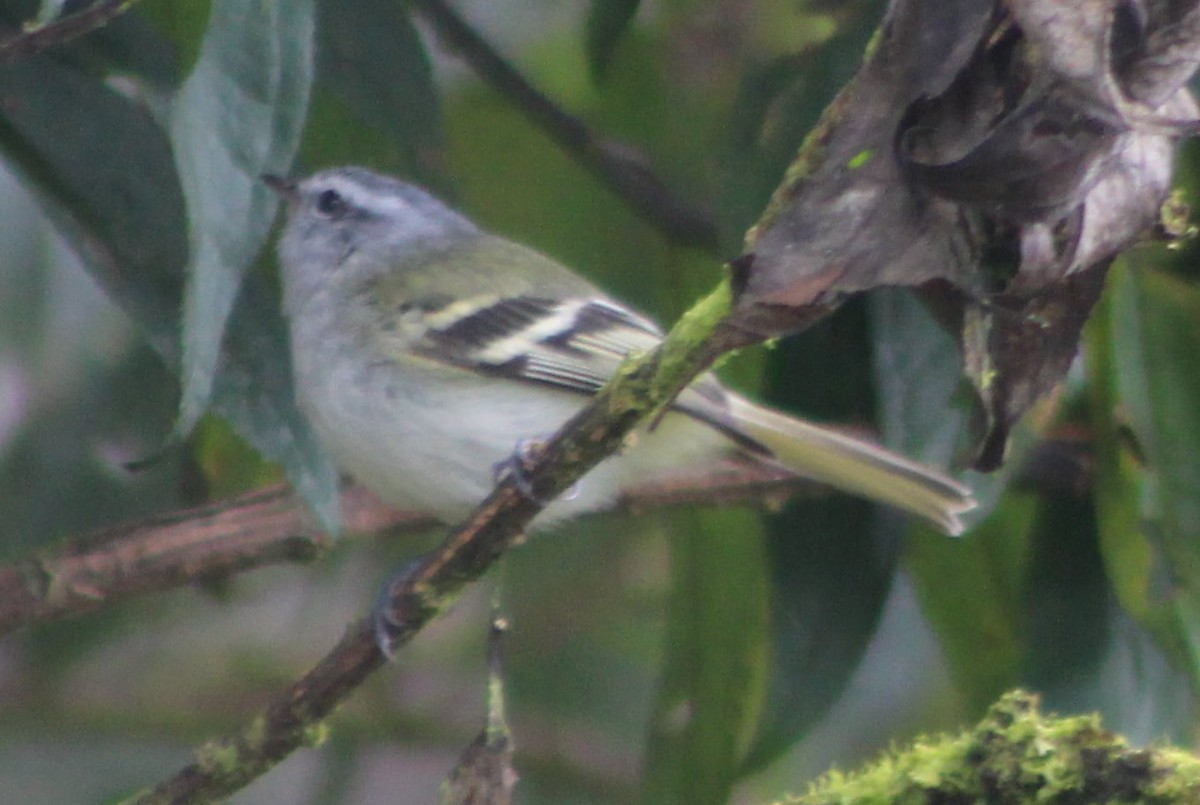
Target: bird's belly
{"points": [[433, 446]]}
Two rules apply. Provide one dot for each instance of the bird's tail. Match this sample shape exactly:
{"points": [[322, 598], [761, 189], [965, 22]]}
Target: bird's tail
{"points": [[855, 466]]}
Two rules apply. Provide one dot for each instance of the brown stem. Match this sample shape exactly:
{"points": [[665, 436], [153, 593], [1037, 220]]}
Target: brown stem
{"points": [[270, 526], [261, 528], [62, 30], [620, 167]]}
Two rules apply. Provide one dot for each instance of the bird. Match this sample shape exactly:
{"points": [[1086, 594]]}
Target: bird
{"points": [[425, 349]]}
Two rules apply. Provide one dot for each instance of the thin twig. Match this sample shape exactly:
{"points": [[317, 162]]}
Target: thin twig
{"points": [[262, 528], [617, 165], [65, 29], [485, 772]]}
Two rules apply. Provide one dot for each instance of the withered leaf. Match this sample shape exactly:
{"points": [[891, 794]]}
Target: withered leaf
{"points": [[1006, 149]]}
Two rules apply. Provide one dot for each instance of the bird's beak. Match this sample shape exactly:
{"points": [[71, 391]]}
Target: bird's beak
{"points": [[285, 188]]}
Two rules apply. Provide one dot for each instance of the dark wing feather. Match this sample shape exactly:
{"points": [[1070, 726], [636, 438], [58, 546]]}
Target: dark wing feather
{"points": [[574, 344]]}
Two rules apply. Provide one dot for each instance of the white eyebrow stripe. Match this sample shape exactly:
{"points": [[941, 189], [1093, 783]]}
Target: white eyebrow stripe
{"points": [[361, 197], [561, 321]]}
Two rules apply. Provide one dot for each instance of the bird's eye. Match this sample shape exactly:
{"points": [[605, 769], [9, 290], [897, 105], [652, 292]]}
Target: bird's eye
{"points": [[331, 204]]}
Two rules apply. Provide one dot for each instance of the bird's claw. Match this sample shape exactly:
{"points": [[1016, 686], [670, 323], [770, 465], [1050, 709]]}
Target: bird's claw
{"points": [[517, 466]]}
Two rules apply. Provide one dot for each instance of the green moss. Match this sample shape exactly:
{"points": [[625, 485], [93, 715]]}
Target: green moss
{"points": [[860, 159], [808, 159], [1016, 754], [256, 732], [218, 757], [1175, 217], [683, 345], [316, 734]]}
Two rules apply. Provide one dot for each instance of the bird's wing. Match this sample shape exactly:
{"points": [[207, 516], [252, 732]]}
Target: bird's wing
{"points": [[573, 344]]}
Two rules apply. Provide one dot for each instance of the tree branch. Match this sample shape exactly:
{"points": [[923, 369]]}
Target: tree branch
{"points": [[620, 167], [261, 528], [63, 30], [270, 526]]}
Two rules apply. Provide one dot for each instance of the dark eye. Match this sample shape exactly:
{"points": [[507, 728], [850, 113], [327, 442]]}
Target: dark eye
{"points": [[331, 204]]}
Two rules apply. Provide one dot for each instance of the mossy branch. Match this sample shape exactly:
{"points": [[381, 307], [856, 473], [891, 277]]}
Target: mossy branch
{"points": [[1016, 754], [38, 37]]}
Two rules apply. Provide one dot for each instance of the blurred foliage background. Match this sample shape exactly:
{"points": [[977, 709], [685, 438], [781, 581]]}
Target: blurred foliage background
{"points": [[699, 655]]}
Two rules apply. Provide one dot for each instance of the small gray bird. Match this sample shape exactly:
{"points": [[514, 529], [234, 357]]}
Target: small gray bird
{"points": [[426, 348]]}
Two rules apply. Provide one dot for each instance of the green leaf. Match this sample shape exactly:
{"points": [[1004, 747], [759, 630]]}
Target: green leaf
{"points": [[970, 592], [713, 684], [129, 45], [969, 588], [182, 26], [253, 391], [1082, 651], [238, 116], [832, 568], [372, 61], [1143, 344], [80, 145], [607, 20], [832, 560], [918, 372], [1067, 621]]}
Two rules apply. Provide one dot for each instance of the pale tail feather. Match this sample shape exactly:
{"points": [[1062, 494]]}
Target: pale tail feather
{"points": [[855, 466]]}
